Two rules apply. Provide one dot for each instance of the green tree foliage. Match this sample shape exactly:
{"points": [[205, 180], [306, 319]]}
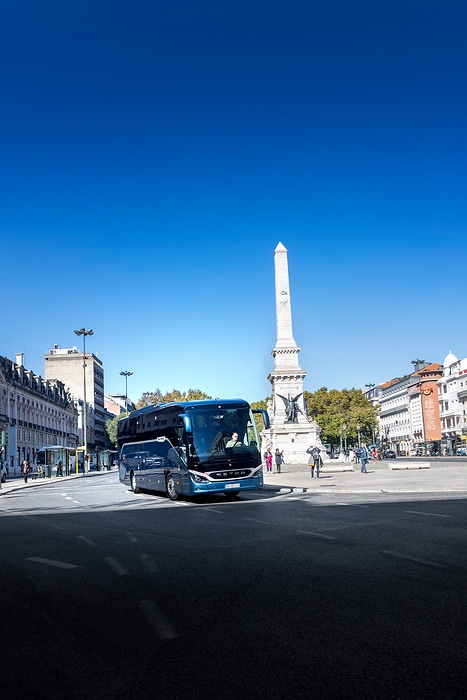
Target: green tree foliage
{"points": [[151, 397], [332, 409], [111, 428]]}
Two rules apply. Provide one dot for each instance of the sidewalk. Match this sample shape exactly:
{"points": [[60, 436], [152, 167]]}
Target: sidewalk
{"points": [[383, 477]]}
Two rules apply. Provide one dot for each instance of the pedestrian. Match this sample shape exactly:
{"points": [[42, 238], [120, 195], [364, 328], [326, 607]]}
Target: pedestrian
{"points": [[314, 461], [269, 460], [279, 459], [363, 455], [60, 468], [25, 470], [346, 455]]}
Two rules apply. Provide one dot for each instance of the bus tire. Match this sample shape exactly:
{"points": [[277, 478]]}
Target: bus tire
{"points": [[133, 484], [170, 487]]}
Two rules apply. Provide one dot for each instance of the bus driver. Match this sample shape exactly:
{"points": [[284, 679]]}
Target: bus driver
{"points": [[234, 441]]}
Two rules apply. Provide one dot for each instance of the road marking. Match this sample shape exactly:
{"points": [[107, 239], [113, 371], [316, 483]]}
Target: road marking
{"points": [[215, 510], [434, 515], [353, 505], [68, 498], [149, 563], [52, 562], [254, 520], [117, 566], [86, 540], [161, 625], [425, 562], [316, 534]]}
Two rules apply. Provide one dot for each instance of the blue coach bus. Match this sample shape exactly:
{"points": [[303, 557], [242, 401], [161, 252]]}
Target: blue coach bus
{"points": [[191, 448]]}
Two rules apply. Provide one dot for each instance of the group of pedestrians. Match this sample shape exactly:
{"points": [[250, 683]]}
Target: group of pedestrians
{"points": [[315, 461], [26, 469], [278, 459]]}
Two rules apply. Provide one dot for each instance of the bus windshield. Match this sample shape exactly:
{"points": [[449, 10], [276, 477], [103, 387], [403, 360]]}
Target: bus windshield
{"points": [[220, 431]]}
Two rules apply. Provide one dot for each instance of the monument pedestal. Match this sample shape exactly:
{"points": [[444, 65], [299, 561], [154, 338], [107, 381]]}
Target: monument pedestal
{"points": [[293, 440]]}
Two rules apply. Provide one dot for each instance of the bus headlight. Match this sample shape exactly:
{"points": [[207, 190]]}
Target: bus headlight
{"points": [[198, 479]]}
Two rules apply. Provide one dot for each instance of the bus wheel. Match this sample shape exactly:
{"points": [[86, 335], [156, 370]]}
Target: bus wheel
{"points": [[231, 494], [133, 484], [170, 487]]}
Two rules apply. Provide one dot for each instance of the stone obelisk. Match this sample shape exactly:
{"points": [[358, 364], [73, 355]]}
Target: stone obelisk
{"points": [[291, 430]]}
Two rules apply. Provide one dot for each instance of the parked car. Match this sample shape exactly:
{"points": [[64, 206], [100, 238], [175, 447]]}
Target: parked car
{"points": [[389, 454]]}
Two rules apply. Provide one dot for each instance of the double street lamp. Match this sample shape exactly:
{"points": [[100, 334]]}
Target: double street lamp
{"points": [[126, 374], [84, 333]]}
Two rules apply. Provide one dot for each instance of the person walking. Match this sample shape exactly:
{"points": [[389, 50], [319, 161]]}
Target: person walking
{"points": [[364, 456], [315, 460], [25, 470], [278, 459]]}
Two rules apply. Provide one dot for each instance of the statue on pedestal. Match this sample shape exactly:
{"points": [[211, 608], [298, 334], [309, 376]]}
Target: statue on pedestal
{"points": [[291, 407]]}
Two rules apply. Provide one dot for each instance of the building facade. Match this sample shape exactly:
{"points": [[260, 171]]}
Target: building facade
{"points": [[452, 398], [34, 413], [67, 364]]}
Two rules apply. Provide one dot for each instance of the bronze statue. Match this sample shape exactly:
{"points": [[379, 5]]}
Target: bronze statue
{"points": [[291, 407]]}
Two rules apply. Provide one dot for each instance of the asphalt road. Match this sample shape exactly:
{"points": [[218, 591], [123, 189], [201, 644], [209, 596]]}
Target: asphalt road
{"points": [[105, 594]]}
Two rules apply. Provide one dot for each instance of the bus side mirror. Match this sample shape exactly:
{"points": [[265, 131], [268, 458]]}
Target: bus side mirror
{"points": [[265, 415], [187, 424]]}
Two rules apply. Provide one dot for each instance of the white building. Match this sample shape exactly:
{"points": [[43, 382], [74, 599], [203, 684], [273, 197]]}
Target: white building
{"points": [[452, 387]]}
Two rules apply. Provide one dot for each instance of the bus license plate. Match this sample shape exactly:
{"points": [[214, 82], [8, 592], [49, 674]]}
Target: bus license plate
{"points": [[232, 486]]}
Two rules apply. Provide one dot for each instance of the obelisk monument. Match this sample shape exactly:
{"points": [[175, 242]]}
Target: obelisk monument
{"points": [[291, 430]]}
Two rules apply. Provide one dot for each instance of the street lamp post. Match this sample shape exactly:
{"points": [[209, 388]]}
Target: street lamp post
{"points": [[84, 333], [344, 428], [126, 375]]}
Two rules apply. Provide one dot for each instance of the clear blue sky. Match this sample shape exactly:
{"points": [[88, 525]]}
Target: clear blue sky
{"points": [[154, 152]]}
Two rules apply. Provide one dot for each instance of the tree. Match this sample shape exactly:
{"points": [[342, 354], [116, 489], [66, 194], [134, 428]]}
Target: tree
{"points": [[111, 429], [333, 409], [152, 397]]}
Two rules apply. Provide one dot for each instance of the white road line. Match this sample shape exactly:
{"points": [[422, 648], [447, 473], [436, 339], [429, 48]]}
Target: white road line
{"points": [[86, 540], [254, 520], [352, 505], [434, 515], [117, 566], [316, 534], [215, 510], [161, 625], [425, 562], [52, 562], [150, 564], [68, 498]]}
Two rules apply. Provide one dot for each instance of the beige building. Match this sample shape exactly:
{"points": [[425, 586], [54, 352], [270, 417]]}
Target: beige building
{"points": [[67, 365], [35, 413]]}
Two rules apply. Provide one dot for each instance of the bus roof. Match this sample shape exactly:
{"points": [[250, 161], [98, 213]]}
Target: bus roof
{"points": [[186, 404]]}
